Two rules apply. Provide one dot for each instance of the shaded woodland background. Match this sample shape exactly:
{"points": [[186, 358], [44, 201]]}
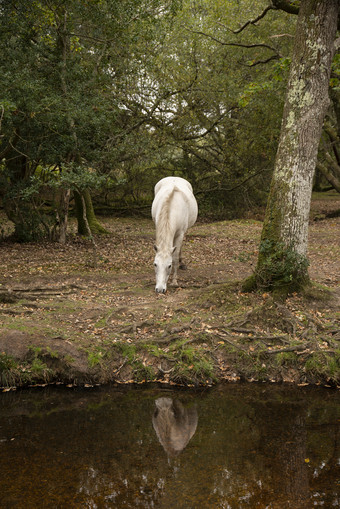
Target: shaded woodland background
{"points": [[100, 99]]}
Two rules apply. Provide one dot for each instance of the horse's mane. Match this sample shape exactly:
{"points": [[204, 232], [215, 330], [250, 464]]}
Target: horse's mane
{"points": [[164, 228]]}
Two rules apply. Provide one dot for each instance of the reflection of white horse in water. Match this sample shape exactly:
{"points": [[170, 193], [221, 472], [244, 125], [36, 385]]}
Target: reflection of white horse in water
{"points": [[174, 210], [174, 424]]}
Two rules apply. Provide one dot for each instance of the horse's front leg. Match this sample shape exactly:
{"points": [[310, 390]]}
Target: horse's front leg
{"points": [[175, 259], [175, 270]]}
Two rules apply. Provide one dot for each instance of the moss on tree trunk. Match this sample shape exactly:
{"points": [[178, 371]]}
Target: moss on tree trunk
{"points": [[93, 223], [282, 262]]}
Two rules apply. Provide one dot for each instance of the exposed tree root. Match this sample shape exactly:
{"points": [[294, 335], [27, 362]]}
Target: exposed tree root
{"points": [[12, 295]]}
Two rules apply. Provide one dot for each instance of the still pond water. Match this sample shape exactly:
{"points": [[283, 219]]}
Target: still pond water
{"points": [[234, 447]]}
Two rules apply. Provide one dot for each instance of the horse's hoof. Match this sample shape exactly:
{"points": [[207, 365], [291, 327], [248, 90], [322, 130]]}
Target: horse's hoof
{"points": [[174, 284], [182, 266]]}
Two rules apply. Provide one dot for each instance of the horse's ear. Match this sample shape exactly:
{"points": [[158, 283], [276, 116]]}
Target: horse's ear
{"points": [[173, 249], [155, 248]]}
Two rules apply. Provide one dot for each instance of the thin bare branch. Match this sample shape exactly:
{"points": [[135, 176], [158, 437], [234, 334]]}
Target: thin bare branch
{"points": [[2, 115], [255, 20], [281, 35], [230, 189], [148, 113], [258, 62], [207, 131], [240, 45], [90, 38]]}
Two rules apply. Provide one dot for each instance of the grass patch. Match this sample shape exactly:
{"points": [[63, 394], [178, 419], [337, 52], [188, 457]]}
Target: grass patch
{"points": [[325, 366], [287, 359], [9, 371], [95, 358], [317, 292], [193, 366], [142, 372], [127, 350], [331, 195], [34, 370]]}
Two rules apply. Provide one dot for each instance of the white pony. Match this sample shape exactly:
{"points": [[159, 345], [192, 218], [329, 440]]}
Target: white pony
{"points": [[174, 210]]}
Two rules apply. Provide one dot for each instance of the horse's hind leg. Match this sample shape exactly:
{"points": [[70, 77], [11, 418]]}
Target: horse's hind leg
{"points": [[182, 265]]}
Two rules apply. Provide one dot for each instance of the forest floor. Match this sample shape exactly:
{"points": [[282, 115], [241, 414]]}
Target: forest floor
{"points": [[65, 320]]}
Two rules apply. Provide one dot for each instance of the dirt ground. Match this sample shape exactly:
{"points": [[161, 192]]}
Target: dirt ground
{"points": [[72, 314]]}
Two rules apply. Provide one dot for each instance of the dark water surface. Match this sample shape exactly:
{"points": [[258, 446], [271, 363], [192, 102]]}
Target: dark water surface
{"points": [[232, 447]]}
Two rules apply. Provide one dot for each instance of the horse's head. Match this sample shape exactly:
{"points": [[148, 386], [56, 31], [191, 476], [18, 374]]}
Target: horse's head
{"points": [[163, 265]]}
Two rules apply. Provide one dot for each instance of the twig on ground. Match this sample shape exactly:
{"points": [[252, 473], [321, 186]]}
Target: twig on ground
{"points": [[296, 348]]}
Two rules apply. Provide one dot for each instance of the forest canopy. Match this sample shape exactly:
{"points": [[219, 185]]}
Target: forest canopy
{"points": [[101, 98]]}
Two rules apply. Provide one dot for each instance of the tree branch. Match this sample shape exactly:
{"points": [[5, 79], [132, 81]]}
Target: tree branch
{"points": [[258, 62], [230, 189], [207, 130], [237, 44], [148, 113], [334, 139], [335, 167], [329, 176], [255, 20], [281, 35], [337, 43], [276, 55], [290, 6]]}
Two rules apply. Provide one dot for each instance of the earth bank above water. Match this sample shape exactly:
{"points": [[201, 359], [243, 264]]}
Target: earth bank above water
{"points": [[71, 315]]}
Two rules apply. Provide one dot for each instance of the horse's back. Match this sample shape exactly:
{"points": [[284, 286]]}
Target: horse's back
{"points": [[184, 208], [173, 181]]}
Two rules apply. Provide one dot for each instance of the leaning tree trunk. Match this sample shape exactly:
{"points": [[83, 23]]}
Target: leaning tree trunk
{"points": [[92, 221], [282, 262]]}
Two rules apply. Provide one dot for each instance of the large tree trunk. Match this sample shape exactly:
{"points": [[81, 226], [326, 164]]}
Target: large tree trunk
{"points": [[92, 222], [282, 261]]}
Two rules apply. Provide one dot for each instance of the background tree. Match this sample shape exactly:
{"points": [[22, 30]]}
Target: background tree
{"points": [[328, 163], [108, 96], [217, 121], [64, 71]]}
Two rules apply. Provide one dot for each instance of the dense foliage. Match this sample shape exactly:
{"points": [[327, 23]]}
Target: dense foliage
{"points": [[111, 95]]}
